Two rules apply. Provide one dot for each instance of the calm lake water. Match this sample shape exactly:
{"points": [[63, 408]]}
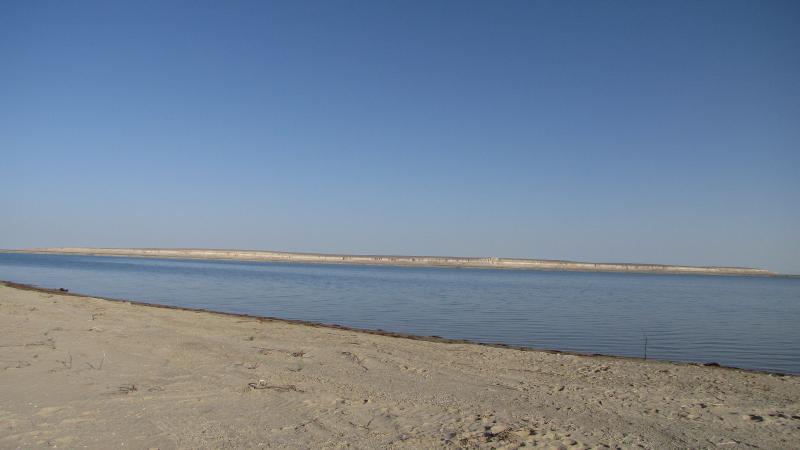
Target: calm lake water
{"points": [[738, 321]]}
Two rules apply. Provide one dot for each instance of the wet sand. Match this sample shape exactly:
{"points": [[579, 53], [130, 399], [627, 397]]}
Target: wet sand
{"points": [[80, 372]]}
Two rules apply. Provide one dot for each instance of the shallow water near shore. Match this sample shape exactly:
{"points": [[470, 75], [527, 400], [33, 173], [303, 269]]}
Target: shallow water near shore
{"points": [[746, 322]]}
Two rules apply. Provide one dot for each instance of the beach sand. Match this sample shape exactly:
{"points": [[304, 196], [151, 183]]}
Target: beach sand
{"points": [[79, 372]]}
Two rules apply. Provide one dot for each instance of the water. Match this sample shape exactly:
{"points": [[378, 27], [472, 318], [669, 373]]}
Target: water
{"points": [[738, 321]]}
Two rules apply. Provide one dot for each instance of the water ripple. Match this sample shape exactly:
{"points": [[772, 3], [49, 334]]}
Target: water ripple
{"points": [[738, 321]]}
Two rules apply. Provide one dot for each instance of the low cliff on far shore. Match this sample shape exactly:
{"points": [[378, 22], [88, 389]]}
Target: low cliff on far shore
{"points": [[429, 261]]}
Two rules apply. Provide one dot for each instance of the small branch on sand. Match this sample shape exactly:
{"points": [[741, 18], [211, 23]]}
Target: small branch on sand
{"points": [[67, 362], [267, 351], [127, 388], [262, 384], [99, 366]]}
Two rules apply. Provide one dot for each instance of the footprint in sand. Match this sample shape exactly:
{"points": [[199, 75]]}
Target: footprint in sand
{"points": [[354, 358]]}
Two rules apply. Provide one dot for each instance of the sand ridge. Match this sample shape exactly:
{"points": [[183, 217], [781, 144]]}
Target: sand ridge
{"points": [[397, 260], [81, 372]]}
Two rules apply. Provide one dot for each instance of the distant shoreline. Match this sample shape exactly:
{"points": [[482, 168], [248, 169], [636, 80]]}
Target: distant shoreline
{"points": [[413, 261]]}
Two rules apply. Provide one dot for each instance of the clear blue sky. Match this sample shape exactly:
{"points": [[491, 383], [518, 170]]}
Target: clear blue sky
{"points": [[633, 131]]}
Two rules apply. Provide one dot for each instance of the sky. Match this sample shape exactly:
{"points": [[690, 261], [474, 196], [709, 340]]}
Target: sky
{"points": [[621, 131]]}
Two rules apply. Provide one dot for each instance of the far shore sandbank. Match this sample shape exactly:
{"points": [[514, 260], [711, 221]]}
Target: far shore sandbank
{"points": [[392, 260]]}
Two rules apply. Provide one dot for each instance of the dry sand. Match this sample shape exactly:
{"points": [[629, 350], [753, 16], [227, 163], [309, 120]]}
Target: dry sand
{"points": [[78, 372]]}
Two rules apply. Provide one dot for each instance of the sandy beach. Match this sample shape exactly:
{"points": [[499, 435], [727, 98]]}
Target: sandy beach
{"points": [[80, 372]]}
